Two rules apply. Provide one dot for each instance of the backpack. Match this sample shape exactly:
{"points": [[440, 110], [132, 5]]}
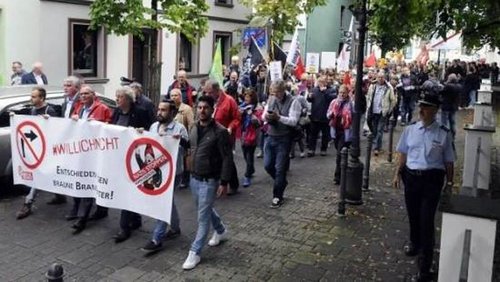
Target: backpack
{"points": [[432, 87]]}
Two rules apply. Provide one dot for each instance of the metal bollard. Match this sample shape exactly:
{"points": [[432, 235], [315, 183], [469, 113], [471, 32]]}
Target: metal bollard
{"points": [[366, 172], [55, 273], [392, 124], [343, 181]]}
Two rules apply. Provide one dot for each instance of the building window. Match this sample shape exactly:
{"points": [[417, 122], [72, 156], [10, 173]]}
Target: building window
{"points": [[86, 49], [187, 55], [225, 3], [342, 10], [226, 39]]}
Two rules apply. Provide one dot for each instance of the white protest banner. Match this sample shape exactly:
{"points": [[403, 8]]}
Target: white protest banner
{"points": [[275, 70], [312, 62], [328, 60], [117, 166]]}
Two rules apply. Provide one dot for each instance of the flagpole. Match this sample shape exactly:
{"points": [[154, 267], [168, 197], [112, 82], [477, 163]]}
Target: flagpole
{"points": [[306, 34]]}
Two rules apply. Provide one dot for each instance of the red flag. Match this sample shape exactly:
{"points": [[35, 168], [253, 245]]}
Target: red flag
{"points": [[371, 61], [299, 68], [347, 78]]}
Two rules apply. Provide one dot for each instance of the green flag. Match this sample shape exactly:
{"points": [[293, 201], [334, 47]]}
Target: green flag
{"points": [[216, 69]]}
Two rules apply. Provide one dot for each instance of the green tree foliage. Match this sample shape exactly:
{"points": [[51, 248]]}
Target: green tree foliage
{"points": [[131, 16], [393, 23], [282, 13]]}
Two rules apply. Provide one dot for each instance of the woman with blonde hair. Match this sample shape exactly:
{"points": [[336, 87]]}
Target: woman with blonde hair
{"points": [[340, 115]]}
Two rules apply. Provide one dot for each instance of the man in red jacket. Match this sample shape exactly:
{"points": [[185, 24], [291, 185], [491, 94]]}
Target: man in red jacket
{"points": [[91, 109], [227, 114], [186, 89]]}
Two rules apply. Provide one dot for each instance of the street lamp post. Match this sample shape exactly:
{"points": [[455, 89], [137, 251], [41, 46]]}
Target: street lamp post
{"points": [[355, 167]]}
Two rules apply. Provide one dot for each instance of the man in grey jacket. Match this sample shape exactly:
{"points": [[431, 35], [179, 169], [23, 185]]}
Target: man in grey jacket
{"points": [[380, 100], [282, 113]]}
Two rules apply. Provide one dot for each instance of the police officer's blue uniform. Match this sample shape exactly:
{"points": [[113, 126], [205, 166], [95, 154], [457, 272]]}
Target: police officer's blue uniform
{"points": [[427, 150]]}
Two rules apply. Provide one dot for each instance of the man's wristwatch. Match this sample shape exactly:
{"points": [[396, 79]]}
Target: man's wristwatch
{"points": [[449, 183]]}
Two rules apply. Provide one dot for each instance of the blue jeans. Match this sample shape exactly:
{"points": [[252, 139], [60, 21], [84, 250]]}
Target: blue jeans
{"points": [[448, 120], [276, 158], [408, 106], [161, 226], [30, 198], [378, 122], [204, 193], [472, 97]]}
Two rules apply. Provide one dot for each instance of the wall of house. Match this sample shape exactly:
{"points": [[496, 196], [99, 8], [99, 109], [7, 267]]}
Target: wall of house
{"points": [[26, 48], [207, 43], [4, 76], [169, 59], [117, 62], [54, 37], [45, 38], [237, 12], [324, 32]]}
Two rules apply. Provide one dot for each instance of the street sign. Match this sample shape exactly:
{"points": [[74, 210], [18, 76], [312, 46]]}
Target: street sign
{"points": [[31, 144]]}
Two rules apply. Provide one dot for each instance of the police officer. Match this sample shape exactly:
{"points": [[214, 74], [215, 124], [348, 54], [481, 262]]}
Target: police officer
{"points": [[426, 156]]}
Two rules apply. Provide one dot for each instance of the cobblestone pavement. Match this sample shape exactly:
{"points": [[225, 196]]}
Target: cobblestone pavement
{"points": [[302, 241]]}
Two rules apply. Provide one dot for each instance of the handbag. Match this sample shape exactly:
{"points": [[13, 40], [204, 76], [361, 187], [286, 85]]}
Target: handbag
{"points": [[304, 120], [249, 136]]}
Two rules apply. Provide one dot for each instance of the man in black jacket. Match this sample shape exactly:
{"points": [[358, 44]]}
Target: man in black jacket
{"points": [[211, 170], [320, 99], [450, 100], [129, 115], [36, 76], [40, 107]]}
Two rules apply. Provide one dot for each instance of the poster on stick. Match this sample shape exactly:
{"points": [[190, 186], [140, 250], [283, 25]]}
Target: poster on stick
{"points": [[328, 60], [312, 62]]}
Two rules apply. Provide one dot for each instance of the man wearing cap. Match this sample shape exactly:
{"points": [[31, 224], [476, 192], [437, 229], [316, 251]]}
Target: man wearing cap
{"points": [[143, 102], [425, 158]]}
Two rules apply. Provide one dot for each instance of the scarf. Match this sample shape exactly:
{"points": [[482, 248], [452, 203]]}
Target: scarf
{"points": [[340, 108], [189, 92]]}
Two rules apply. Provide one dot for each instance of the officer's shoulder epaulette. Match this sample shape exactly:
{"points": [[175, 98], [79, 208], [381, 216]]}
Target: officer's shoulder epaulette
{"points": [[444, 128]]}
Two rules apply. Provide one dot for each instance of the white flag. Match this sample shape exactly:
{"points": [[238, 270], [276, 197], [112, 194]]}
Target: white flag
{"points": [[345, 54], [294, 47]]}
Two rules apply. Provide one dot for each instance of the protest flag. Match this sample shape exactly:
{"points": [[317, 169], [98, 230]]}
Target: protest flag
{"points": [[216, 69]]}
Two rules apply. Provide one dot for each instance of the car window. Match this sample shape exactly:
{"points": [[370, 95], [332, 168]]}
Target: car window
{"points": [[24, 108], [56, 104], [108, 102], [18, 109]]}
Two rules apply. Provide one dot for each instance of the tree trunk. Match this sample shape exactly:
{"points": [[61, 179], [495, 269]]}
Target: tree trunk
{"points": [[154, 64]]}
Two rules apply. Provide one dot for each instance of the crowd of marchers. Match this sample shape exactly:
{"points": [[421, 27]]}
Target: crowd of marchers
{"points": [[268, 119]]}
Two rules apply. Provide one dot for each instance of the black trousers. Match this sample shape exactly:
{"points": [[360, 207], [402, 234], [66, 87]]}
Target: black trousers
{"points": [[340, 143], [129, 220], [85, 206], [316, 127], [234, 182], [422, 194], [248, 154]]}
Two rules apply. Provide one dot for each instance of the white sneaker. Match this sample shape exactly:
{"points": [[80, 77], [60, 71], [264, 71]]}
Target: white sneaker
{"points": [[192, 261], [217, 238]]}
